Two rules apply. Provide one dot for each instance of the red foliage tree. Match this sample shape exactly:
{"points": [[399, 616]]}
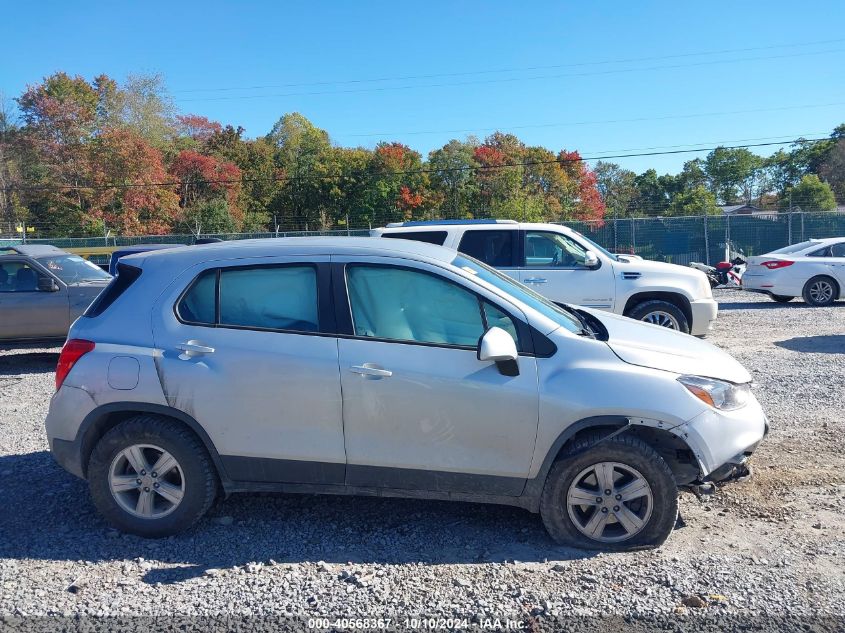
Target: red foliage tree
{"points": [[199, 128], [138, 204], [205, 178], [590, 204]]}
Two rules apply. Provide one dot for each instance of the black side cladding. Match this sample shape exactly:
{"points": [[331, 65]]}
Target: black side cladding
{"points": [[126, 276]]}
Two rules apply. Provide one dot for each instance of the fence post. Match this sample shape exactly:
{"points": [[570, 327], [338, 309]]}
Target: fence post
{"points": [[789, 232], [802, 225], [727, 237], [615, 233], [633, 237], [706, 242]]}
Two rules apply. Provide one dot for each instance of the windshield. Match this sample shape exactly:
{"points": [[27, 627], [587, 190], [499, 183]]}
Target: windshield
{"points": [[72, 269], [519, 292], [596, 247]]}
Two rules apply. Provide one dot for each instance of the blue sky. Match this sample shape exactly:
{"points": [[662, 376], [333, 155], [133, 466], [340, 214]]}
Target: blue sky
{"points": [[549, 72]]}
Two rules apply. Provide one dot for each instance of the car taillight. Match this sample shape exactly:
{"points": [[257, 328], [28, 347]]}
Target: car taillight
{"points": [[73, 350], [777, 263]]}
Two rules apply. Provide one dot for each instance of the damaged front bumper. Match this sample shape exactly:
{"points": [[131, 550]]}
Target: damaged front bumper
{"points": [[722, 441]]}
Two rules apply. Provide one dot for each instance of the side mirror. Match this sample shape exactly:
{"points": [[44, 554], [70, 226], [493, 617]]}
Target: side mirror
{"points": [[46, 284], [591, 260], [498, 346]]}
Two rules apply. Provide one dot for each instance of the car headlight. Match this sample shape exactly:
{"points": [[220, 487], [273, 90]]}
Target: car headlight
{"points": [[717, 393]]}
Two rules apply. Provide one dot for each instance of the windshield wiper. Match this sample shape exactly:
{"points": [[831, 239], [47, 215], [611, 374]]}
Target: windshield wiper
{"points": [[586, 330]]}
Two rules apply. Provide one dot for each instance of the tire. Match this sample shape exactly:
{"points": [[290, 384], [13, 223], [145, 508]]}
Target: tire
{"points": [[659, 312], [820, 291], [192, 481], [627, 452], [781, 298]]}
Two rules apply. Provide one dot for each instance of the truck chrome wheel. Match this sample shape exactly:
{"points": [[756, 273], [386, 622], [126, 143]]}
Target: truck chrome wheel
{"points": [[146, 481], [663, 319], [609, 502]]}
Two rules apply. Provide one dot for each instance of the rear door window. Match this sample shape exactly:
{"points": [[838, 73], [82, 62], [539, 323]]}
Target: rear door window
{"points": [[494, 248], [282, 297], [429, 237], [270, 298]]}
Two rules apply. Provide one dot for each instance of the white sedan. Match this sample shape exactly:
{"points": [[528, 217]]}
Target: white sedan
{"points": [[814, 270]]}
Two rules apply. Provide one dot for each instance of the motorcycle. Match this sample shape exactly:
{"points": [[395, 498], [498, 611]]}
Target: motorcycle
{"points": [[725, 274]]}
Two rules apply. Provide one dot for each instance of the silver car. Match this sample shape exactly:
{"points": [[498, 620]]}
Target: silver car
{"points": [[43, 290], [391, 368]]}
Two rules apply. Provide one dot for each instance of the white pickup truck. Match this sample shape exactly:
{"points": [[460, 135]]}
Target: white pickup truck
{"points": [[567, 267]]}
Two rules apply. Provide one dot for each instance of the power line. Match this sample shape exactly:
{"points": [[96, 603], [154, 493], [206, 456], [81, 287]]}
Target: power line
{"points": [[667, 117], [629, 60], [366, 173], [505, 80]]}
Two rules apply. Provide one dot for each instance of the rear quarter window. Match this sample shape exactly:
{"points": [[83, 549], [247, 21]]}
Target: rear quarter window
{"points": [[494, 248], [429, 237], [117, 286]]}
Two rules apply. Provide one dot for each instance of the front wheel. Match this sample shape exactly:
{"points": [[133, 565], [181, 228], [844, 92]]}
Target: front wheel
{"points": [[820, 291], [610, 494], [662, 313]]}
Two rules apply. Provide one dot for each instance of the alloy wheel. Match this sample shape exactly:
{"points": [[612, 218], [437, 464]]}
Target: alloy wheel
{"points": [[609, 502], [663, 319], [146, 481], [821, 291]]}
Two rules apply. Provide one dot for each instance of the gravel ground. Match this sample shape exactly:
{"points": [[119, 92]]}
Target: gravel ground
{"points": [[767, 547]]}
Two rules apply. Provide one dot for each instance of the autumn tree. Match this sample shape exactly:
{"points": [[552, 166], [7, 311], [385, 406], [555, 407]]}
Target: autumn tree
{"points": [[206, 184], [130, 195], [60, 118]]}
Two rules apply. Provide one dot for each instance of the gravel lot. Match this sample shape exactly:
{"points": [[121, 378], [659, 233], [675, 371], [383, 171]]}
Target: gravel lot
{"points": [[770, 546]]}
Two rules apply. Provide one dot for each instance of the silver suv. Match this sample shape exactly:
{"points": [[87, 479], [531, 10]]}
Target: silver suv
{"points": [[386, 367]]}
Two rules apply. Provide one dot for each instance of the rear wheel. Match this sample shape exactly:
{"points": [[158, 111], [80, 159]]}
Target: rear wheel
{"points": [[617, 494], [781, 298], [151, 476], [821, 291], [662, 313]]}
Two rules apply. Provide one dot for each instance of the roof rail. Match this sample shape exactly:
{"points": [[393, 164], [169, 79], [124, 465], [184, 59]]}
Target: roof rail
{"points": [[394, 225]]}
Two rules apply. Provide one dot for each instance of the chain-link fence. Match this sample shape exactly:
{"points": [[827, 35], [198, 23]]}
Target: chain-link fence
{"points": [[678, 240]]}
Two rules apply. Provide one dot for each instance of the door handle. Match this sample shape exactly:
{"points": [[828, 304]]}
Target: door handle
{"points": [[370, 369], [192, 348], [535, 280]]}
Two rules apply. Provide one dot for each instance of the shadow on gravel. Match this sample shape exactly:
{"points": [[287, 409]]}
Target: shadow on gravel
{"points": [[28, 363], [795, 304], [47, 515], [829, 344]]}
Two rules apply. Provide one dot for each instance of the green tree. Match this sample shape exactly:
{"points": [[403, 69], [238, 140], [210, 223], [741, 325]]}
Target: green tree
{"points": [[617, 187], [453, 179], [208, 216], [302, 153], [732, 173], [832, 170], [696, 201], [652, 197], [811, 194]]}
